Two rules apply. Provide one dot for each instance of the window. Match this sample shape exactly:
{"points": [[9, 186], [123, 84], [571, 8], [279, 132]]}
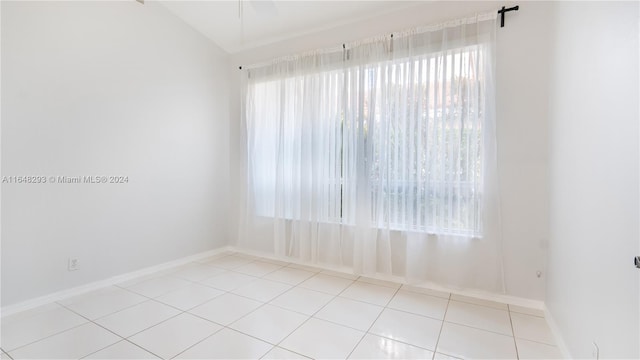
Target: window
{"points": [[398, 140]]}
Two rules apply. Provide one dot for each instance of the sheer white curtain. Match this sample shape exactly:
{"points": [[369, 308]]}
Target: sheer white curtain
{"points": [[380, 156]]}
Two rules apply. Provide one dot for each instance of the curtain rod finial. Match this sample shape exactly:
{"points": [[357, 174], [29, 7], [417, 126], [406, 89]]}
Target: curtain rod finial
{"points": [[504, 10]]}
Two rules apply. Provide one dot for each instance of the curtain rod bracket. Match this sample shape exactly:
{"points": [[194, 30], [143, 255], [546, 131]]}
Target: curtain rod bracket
{"points": [[504, 10]]}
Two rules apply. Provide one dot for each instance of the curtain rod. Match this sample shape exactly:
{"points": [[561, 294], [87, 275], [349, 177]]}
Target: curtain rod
{"points": [[505, 10], [501, 12]]}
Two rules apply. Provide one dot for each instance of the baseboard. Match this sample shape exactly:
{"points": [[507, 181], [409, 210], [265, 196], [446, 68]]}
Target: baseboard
{"points": [[480, 294], [79, 290], [501, 298], [557, 334], [57, 296]]}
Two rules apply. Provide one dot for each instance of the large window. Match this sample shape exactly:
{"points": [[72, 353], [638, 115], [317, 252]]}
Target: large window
{"points": [[400, 140]]}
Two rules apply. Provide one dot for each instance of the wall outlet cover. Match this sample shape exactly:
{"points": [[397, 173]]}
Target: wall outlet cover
{"points": [[73, 264]]}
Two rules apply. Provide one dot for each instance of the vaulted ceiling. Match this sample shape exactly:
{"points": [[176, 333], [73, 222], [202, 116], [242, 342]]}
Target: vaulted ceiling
{"points": [[237, 25]]}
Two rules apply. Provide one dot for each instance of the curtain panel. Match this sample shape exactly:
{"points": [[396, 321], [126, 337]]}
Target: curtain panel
{"points": [[379, 157]]}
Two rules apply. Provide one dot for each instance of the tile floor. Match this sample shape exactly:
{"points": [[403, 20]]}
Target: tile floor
{"points": [[236, 306]]}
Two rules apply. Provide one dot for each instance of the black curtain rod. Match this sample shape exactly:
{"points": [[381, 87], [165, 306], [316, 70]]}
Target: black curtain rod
{"points": [[504, 10], [501, 12]]}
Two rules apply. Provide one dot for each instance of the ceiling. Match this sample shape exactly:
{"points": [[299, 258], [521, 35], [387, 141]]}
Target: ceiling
{"points": [[265, 21]]}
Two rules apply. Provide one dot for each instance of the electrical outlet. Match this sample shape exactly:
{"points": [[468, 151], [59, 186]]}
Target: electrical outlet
{"points": [[595, 352], [73, 264]]}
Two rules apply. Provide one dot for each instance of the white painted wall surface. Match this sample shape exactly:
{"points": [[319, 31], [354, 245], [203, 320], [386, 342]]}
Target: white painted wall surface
{"points": [[108, 88], [593, 288], [522, 84]]}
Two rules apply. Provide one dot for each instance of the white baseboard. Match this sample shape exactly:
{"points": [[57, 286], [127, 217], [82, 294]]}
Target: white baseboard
{"points": [[480, 294], [60, 295], [557, 334], [79, 290]]}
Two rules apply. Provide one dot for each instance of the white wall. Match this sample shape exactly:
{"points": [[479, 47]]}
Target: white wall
{"points": [[522, 65], [593, 288], [108, 88]]}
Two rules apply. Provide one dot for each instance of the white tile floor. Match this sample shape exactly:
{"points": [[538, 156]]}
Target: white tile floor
{"points": [[237, 306]]}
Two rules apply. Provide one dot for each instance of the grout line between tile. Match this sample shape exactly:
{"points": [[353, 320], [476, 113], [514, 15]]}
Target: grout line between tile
{"points": [[111, 313], [444, 316], [236, 330], [147, 328], [118, 335], [479, 328], [412, 313], [317, 311], [313, 271], [138, 346], [227, 326], [6, 354], [476, 304], [276, 346], [535, 341], [222, 326], [90, 321], [117, 311], [156, 355], [374, 321], [513, 333], [464, 300], [215, 332], [46, 337], [262, 275]]}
